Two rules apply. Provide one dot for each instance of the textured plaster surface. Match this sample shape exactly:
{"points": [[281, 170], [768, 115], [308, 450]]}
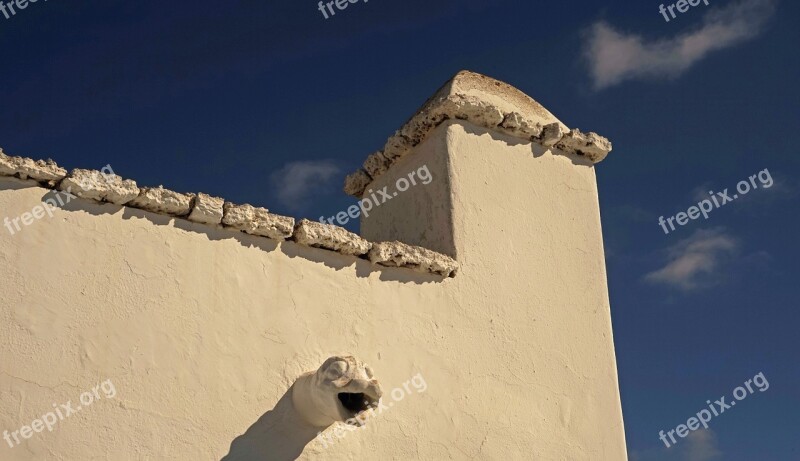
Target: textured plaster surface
{"points": [[203, 330], [526, 231], [432, 221]]}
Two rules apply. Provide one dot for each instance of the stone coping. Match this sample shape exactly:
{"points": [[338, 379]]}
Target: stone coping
{"points": [[488, 103], [202, 208]]}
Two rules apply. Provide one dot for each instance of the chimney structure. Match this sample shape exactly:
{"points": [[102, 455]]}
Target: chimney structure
{"points": [[514, 200]]}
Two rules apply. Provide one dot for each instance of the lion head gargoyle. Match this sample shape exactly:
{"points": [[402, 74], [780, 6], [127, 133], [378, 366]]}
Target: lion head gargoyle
{"points": [[341, 390]]}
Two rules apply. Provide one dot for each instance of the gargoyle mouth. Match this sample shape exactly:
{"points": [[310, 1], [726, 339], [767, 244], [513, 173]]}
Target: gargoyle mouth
{"points": [[355, 403]]}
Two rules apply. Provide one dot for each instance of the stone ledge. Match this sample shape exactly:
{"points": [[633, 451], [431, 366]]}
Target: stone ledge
{"points": [[485, 102], [591, 145], [99, 186], [257, 221], [163, 201], [330, 237], [205, 209], [398, 254], [356, 183], [26, 168]]}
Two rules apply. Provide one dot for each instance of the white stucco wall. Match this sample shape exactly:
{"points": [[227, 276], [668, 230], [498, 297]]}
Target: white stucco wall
{"points": [[525, 227], [202, 330]]}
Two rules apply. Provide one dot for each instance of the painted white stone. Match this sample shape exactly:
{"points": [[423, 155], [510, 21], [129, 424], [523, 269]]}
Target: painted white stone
{"points": [[591, 145], [356, 182], [517, 125], [376, 164], [472, 108], [328, 236], [552, 134], [27, 168], [401, 255], [484, 102], [99, 186], [206, 209], [396, 146], [257, 221], [165, 201]]}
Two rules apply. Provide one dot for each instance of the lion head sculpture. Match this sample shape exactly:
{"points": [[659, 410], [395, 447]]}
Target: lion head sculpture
{"points": [[342, 389]]}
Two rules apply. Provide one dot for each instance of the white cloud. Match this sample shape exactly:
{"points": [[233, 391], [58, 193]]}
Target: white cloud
{"points": [[298, 182], [694, 262], [615, 56], [699, 445], [701, 192]]}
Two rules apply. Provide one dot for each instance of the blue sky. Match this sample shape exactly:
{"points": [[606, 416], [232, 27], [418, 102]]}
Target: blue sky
{"points": [[242, 98]]}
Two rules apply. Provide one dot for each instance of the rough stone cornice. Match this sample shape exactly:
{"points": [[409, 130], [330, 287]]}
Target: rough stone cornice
{"points": [[488, 103], [214, 211]]}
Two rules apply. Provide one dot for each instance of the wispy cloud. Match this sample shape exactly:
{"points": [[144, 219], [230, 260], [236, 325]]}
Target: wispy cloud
{"points": [[614, 56], [695, 261], [700, 445], [298, 182]]}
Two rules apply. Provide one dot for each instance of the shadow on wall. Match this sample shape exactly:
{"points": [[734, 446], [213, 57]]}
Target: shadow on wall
{"points": [[279, 435], [537, 150]]}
